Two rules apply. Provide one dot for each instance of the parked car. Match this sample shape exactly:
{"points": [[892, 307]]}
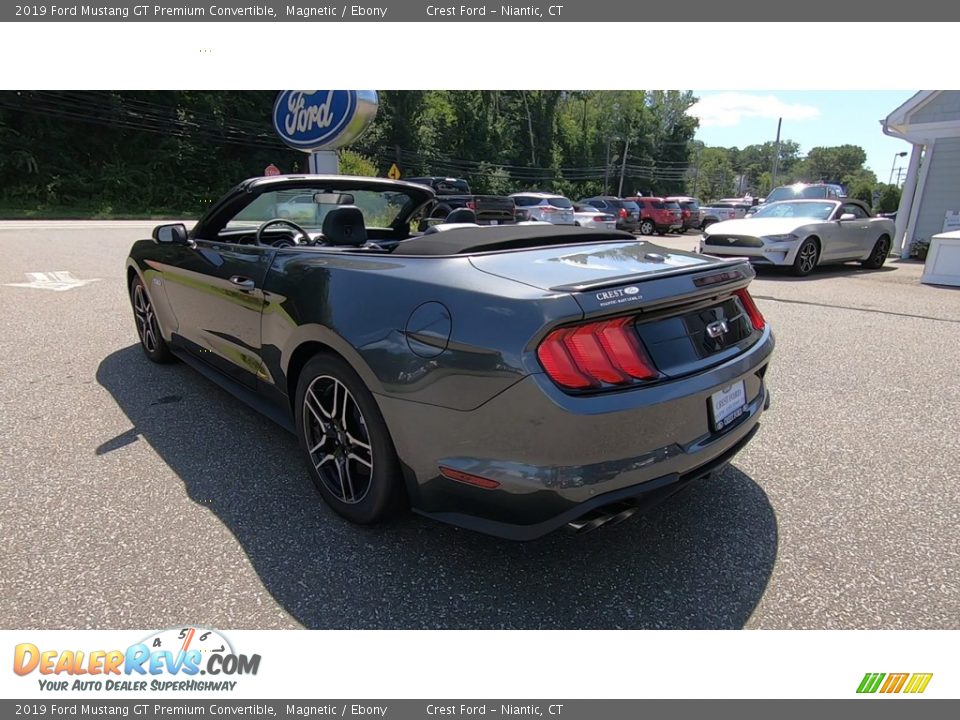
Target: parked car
{"points": [[510, 380], [545, 207], [806, 191], [724, 210], [690, 212], [802, 234], [455, 194], [591, 217], [626, 212], [298, 206], [658, 215]]}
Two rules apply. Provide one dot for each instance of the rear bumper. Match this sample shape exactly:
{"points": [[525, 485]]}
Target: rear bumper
{"points": [[558, 458]]}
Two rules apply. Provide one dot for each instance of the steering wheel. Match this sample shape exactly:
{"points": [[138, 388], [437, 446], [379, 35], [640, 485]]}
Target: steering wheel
{"points": [[282, 242]]}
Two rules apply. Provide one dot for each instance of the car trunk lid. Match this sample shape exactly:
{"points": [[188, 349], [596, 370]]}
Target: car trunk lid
{"points": [[685, 308]]}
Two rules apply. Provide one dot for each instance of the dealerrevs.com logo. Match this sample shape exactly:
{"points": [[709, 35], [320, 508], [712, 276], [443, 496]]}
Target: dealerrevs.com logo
{"points": [[170, 660]]}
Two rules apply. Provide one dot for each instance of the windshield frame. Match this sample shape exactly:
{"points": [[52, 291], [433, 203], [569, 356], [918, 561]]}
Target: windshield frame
{"points": [[831, 204]]}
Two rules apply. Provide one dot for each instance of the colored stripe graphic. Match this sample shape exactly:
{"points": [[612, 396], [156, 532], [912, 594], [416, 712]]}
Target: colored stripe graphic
{"points": [[894, 682], [918, 682], [870, 682]]}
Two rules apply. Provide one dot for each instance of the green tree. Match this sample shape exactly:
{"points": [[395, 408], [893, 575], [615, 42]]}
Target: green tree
{"points": [[353, 163], [889, 199], [716, 175], [832, 164], [862, 191]]}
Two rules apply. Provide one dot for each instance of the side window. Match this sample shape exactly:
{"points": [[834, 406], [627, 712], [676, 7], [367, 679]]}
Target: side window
{"points": [[853, 210]]}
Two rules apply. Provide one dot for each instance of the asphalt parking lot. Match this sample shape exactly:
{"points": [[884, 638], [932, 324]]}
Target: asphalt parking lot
{"points": [[138, 496]]}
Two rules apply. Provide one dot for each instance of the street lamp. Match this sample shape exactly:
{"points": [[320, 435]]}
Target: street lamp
{"points": [[893, 167]]}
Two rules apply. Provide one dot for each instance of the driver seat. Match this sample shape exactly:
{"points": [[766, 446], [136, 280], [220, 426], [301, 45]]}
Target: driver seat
{"points": [[344, 226]]}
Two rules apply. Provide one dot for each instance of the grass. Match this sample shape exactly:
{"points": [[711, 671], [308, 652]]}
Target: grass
{"points": [[59, 212]]}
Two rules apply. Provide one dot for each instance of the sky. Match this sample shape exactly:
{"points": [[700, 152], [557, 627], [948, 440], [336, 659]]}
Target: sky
{"points": [[811, 118]]}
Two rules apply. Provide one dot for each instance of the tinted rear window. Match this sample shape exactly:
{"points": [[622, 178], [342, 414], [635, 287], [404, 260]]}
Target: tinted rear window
{"points": [[526, 201], [453, 186], [560, 202], [673, 205], [658, 204], [631, 205], [692, 205]]}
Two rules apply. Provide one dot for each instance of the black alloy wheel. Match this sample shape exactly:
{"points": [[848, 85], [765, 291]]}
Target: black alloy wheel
{"points": [[348, 448], [807, 257], [879, 254], [148, 330]]}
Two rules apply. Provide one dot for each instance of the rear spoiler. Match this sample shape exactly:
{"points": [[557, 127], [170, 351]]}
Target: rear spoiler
{"points": [[712, 269]]}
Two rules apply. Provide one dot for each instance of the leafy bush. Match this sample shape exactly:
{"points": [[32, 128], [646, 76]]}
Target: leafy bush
{"points": [[889, 199], [863, 192]]}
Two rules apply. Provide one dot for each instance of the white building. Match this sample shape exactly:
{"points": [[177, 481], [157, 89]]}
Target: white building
{"points": [[930, 121]]}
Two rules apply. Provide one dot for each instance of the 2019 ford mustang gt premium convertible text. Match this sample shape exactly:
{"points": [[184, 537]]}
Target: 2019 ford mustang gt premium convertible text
{"points": [[801, 234], [508, 379]]}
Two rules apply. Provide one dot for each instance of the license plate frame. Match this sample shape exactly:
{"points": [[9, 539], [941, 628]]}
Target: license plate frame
{"points": [[726, 406]]}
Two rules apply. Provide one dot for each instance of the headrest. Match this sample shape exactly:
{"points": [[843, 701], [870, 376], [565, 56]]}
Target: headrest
{"points": [[461, 215], [343, 225]]}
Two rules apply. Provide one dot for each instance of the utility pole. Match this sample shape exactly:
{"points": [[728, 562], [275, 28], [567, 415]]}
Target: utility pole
{"points": [[776, 156], [623, 166], [696, 176], [606, 169]]}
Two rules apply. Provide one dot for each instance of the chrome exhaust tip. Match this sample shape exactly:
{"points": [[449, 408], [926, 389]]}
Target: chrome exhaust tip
{"points": [[607, 515]]}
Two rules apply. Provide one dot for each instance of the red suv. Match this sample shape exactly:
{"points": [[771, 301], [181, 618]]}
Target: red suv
{"points": [[658, 215]]}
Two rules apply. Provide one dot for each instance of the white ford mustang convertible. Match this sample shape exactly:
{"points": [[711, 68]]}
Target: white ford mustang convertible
{"points": [[802, 234]]}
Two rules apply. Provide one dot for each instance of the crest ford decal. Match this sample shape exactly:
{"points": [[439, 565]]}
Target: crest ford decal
{"points": [[311, 120], [619, 295]]}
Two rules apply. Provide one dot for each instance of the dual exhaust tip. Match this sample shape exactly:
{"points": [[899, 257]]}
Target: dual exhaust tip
{"points": [[606, 515]]}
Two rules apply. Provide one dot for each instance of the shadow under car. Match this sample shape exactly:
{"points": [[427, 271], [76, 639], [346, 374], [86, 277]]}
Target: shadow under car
{"points": [[702, 559]]}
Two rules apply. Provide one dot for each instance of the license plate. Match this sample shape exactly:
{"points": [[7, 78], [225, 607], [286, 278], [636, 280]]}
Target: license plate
{"points": [[494, 222], [728, 404]]}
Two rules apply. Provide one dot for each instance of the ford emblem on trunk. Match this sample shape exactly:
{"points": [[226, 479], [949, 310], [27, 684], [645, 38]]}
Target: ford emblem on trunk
{"points": [[717, 329]]}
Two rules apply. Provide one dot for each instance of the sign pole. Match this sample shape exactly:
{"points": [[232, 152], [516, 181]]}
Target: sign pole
{"points": [[324, 162]]}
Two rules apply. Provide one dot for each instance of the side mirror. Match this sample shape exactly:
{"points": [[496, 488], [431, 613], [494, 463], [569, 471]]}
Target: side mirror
{"points": [[848, 216], [175, 233]]}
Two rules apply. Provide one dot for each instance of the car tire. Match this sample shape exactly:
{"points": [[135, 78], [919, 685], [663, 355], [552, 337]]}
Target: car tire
{"points": [[808, 255], [148, 329], [441, 211], [346, 443], [646, 227], [878, 256]]}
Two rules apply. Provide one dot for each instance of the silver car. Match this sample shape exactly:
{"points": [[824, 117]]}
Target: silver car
{"points": [[802, 234], [589, 217], [544, 207]]}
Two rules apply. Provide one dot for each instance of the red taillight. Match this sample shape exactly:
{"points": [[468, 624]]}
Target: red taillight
{"points": [[753, 312], [471, 204], [685, 213], [623, 212], [596, 353], [599, 218], [469, 478]]}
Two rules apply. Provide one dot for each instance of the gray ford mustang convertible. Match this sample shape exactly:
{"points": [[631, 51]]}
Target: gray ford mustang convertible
{"points": [[509, 379]]}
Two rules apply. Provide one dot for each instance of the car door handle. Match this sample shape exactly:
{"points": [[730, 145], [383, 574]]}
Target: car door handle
{"points": [[242, 283]]}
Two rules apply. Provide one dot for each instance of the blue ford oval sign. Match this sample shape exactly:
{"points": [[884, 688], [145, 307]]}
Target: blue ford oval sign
{"points": [[312, 120]]}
